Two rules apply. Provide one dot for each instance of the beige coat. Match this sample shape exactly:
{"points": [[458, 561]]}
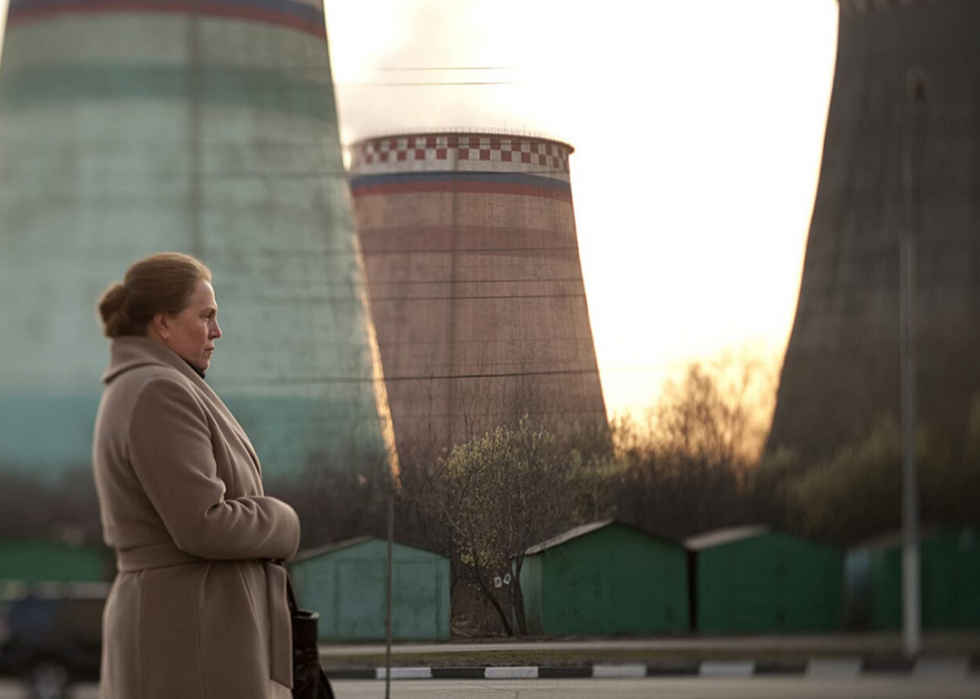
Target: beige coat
{"points": [[197, 610]]}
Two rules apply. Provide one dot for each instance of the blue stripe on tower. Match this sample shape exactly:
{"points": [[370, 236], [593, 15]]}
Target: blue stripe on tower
{"points": [[515, 178], [473, 182]]}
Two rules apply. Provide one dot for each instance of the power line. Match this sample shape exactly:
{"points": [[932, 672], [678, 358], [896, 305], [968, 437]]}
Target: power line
{"points": [[402, 251], [562, 340], [324, 298], [478, 281], [407, 299], [407, 282], [407, 251], [430, 84], [439, 68], [32, 166], [317, 380], [270, 175]]}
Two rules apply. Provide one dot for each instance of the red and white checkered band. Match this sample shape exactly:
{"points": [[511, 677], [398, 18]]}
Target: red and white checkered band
{"points": [[864, 6], [470, 151]]}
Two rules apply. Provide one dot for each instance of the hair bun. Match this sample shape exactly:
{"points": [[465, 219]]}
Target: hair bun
{"points": [[114, 309], [160, 283]]}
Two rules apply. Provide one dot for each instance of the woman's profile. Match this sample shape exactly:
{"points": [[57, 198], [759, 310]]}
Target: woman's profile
{"points": [[198, 609]]}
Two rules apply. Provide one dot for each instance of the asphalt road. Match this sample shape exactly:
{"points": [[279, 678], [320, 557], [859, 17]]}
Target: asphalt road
{"points": [[695, 688]]}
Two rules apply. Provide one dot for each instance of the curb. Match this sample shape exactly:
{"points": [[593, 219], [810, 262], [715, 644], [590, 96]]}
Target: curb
{"points": [[931, 667]]}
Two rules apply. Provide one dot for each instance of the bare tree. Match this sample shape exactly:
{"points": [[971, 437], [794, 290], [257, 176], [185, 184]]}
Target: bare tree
{"points": [[336, 503], [500, 494], [719, 413], [689, 467]]}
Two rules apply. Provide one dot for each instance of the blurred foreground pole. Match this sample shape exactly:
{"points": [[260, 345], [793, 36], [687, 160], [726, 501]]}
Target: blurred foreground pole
{"points": [[391, 535], [912, 634]]}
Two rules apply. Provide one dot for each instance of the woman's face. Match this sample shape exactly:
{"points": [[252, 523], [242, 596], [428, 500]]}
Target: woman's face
{"points": [[192, 332]]}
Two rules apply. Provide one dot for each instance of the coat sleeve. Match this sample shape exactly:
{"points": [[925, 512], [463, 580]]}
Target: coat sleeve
{"points": [[171, 452]]}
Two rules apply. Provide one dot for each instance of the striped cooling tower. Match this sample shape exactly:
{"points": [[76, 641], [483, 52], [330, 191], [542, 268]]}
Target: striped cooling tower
{"points": [[842, 365], [475, 284], [129, 127]]}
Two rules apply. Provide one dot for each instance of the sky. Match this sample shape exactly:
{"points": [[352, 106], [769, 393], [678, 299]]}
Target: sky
{"points": [[698, 129]]}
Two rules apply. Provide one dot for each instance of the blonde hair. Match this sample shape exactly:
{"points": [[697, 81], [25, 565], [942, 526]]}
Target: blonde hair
{"points": [[160, 283]]}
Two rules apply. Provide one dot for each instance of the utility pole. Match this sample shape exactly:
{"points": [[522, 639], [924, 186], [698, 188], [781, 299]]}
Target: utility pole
{"points": [[912, 614], [391, 536]]}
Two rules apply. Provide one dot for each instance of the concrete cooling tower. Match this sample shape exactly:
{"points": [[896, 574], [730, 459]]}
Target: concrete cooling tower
{"points": [[842, 364], [475, 284], [208, 127]]}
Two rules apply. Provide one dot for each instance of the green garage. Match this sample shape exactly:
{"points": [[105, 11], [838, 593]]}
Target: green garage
{"points": [[753, 580], [345, 583], [606, 578], [949, 563]]}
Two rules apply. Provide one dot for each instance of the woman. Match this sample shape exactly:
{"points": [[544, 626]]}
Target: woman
{"points": [[198, 609]]}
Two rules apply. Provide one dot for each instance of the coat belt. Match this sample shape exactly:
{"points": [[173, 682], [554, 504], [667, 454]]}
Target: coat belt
{"points": [[280, 624]]}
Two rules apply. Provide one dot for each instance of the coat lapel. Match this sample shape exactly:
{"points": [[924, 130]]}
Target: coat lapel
{"points": [[131, 352]]}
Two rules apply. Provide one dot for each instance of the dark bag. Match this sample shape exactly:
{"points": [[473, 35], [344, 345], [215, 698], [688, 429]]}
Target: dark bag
{"points": [[309, 679]]}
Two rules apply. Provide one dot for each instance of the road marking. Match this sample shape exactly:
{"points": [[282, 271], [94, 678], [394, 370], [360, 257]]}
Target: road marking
{"points": [[619, 671], [948, 668], [511, 673], [835, 668], [406, 673], [727, 669]]}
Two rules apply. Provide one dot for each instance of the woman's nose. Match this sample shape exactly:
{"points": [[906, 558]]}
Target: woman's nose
{"points": [[215, 330]]}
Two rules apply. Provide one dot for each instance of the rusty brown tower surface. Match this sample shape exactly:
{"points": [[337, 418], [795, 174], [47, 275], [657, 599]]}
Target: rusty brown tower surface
{"points": [[475, 285], [842, 365]]}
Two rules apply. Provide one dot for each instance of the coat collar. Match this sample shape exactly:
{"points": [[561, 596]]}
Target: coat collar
{"points": [[128, 353]]}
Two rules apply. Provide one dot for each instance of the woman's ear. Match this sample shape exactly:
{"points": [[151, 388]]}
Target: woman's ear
{"points": [[162, 325]]}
